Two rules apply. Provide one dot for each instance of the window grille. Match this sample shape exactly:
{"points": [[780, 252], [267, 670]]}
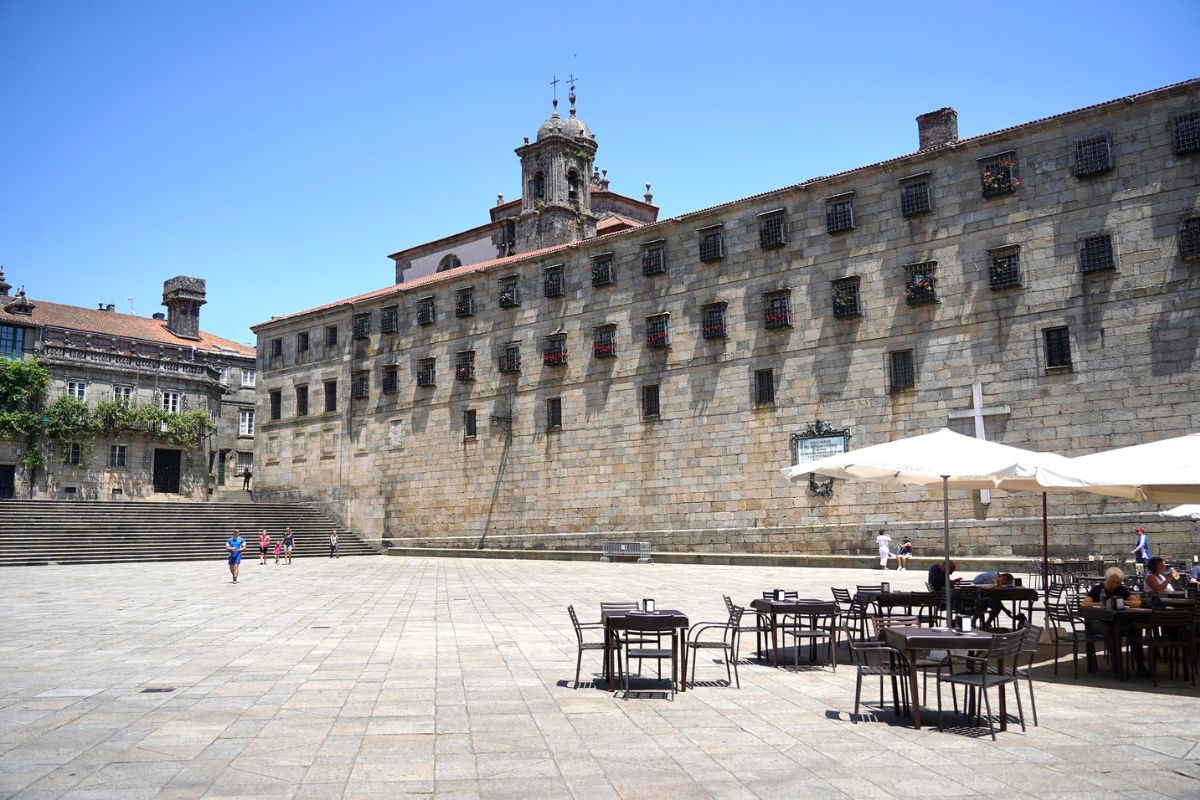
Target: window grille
{"points": [[779, 310], [554, 283], [1187, 133], [464, 303], [360, 384], [389, 319], [391, 380], [1004, 268], [901, 372], [712, 244], [914, 198], [331, 395], [554, 353], [362, 326], [604, 342], [331, 336], [1096, 254], [1093, 156], [464, 366], [276, 348], [509, 297], [654, 258], [426, 315], [1058, 347], [1189, 238], [839, 214], [764, 386], [302, 342], [920, 283], [276, 399], [510, 358], [846, 298], [553, 413], [469, 430], [425, 371], [602, 271], [772, 230], [117, 456], [650, 406], [657, 332], [301, 401], [712, 321], [998, 175]]}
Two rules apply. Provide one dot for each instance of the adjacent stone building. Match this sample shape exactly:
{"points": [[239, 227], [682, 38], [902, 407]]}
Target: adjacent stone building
{"points": [[650, 382], [99, 355]]}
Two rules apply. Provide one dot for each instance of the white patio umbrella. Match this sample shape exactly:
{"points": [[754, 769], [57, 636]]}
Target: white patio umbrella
{"points": [[1191, 510], [1166, 471], [940, 461]]}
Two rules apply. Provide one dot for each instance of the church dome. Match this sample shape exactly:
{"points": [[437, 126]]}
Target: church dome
{"points": [[551, 126], [575, 127]]}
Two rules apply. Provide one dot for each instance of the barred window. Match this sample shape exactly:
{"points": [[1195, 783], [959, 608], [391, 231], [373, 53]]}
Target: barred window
{"points": [[275, 398], [464, 366], [712, 321], [510, 358], [712, 243], [1096, 254], [1187, 133], [553, 413], [1093, 156], [464, 302], [469, 429], [509, 297], [554, 283], [658, 334], [1004, 267], [839, 214], [845, 297], [764, 386], [425, 371], [389, 319], [1189, 238], [650, 407], [901, 371], [554, 352], [391, 380], [362, 327], [920, 283], [425, 311], [772, 229], [778, 310], [998, 174], [914, 197], [360, 383], [1058, 347], [604, 341], [301, 401], [602, 270], [276, 348], [654, 257]]}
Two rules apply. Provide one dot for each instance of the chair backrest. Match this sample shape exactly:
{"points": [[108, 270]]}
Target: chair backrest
{"points": [[729, 606], [618, 607], [575, 623], [1006, 647], [786, 595], [819, 614], [735, 615], [1033, 635], [639, 622], [1062, 614], [841, 596], [1179, 620], [878, 587], [897, 621]]}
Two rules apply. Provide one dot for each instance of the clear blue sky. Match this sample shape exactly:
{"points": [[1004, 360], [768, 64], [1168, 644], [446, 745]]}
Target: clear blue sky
{"points": [[282, 148]]}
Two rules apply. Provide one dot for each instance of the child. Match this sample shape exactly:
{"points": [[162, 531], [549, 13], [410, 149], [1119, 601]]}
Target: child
{"points": [[277, 550]]}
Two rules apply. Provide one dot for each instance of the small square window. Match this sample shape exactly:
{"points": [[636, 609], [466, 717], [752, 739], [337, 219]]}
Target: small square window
{"points": [[650, 406], [1189, 238], [920, 283], [602, 270], [276, 348], [998, 174], [331, 394], [510, 358], [301, 401], [1187, 133], [553, 281], [772, 229], [426, 314], [117, 456], [712, 321], [362, 325], [554, 353], [464, 302], [1093, 156], [901, 371], [73, 455], [712, 244], [464, 366], [658, 334], [331, 336], [778, 310], [1058, 348], [553, 413], [1004, 268], [509, 294], [391, 379], [275, 397], [170, 402], [764, 386], [839, 214], [469, 430], [360, 384], [389, 319], [77, 389], [249, 377], [914, 197], [846, 298], [604, 342], [654, 258], [123, 393], [425, 371], [302, 342], [1096, 254]]}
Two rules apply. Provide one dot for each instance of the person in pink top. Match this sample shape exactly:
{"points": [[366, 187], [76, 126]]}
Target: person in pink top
{"points": [[277, 549], [264, 544]]}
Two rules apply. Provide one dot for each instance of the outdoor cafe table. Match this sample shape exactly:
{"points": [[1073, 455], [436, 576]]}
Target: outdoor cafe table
{"points": [[887, 602], [911, 641], [625, 619], [777, 608], [1014, 597], [1117, 621]]}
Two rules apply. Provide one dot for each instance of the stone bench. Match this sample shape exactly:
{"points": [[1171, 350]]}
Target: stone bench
{"points": [[615, 550]]}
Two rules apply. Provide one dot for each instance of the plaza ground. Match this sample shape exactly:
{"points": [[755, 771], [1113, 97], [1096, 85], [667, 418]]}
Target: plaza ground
{"points": [[389, 677]]}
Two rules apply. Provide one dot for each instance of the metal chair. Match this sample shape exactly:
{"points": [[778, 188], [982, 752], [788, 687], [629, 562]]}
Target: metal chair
{"points": [[1171, 631], [727, 643], [997, 667], [812, 623], [1067, 628], [580, 627], [926, 664], [873, 658], [759, 628], [1029, 646], [854, 614], [622, 637], [642, 631]]}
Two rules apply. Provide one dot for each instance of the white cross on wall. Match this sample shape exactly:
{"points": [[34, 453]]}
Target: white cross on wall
{"points": [[978, 411]]}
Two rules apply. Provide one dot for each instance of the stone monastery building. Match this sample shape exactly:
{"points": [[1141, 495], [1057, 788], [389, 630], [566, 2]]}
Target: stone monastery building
{"points": [[578, 369]]}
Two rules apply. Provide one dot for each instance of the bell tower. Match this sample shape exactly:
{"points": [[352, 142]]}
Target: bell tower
{"points": [[556, 195]]}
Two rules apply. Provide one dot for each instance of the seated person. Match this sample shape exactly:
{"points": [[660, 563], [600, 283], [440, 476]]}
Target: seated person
{"points": [[1099, 595], [937, 576], [997, 579], [903, 554], [988, 609], [1194, 575], [1158, 577]]}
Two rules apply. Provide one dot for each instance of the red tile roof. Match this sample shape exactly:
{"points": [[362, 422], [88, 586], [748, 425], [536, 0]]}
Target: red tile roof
{"points": [[112, 323], [617, 222]]}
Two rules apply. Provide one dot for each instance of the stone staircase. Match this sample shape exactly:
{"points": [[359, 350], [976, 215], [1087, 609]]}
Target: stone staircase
{"points": [[40, 532]]}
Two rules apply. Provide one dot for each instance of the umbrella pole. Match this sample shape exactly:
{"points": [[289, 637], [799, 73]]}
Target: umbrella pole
{"points": [[946, 542], [1045, 552]]}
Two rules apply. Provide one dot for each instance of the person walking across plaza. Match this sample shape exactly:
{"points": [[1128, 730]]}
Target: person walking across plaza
{"points": [[288, 544], [235, 545], [264, 544], [1141, 547], [246, 476], [884, 543], [277, 552], [333, 546]]}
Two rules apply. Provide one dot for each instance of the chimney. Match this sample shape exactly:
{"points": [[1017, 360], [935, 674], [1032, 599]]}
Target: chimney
{"points": [[112, 307], [158, 315], [183, 297], [20, 305], [938, 128]]}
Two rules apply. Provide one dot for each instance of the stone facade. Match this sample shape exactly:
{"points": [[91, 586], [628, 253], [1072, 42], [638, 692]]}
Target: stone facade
{"points": [[1049, 262]]}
